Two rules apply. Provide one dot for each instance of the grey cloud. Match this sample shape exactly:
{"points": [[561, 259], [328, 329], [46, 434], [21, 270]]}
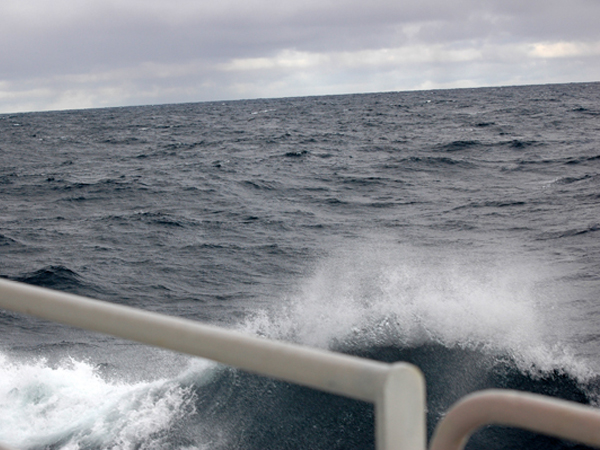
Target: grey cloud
{"points": [[113, 35], [172, 49]]}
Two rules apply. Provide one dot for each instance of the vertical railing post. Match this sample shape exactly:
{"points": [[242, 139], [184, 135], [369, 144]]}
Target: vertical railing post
{"points": [[400, 410]]}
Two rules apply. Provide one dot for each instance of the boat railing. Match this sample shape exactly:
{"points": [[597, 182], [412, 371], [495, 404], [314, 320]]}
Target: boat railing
{"points": [[396, 390]]}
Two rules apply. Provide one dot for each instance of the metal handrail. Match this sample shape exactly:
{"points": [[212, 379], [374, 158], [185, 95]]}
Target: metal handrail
{"points": [[558, 418], [397, 390]]}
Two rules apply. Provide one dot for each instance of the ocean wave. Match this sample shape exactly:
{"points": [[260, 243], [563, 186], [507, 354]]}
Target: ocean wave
{"points": [[53, 277], [260, 184], [296, 153], [492, 204], [6, 241], [8, 179], [572, 180], [570, 232], [467, 324], [62, 278], [432, 162], [160, 219], [387, 294], [457, 146], [587, 111], [582, 159], [520, 144]]}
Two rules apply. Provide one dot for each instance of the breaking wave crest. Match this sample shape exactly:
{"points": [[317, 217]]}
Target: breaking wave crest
{"points": [[467, 322], [70, 405]]}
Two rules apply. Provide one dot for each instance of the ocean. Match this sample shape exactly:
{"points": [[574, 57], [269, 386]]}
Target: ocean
{"points": [[454, 229]]}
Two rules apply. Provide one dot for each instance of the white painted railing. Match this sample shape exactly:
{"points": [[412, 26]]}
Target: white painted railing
{"points": [[397, 390], [551, 416]]}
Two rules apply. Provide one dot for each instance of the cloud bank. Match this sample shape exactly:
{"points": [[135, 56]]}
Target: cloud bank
{"points": [[93, 53]]}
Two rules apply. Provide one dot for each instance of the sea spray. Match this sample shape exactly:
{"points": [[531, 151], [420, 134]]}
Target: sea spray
{"points": [[396, 294], [71, 404]]}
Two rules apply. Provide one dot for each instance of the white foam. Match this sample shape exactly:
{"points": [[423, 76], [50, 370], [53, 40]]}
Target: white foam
{"points": [[377, 294], [73, 404]]}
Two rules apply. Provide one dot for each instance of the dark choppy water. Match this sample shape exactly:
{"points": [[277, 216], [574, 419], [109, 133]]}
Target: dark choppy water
{"points": [[454, 229]]}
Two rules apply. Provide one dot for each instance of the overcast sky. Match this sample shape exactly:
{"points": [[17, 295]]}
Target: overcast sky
{"points": [[63, 54]]}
